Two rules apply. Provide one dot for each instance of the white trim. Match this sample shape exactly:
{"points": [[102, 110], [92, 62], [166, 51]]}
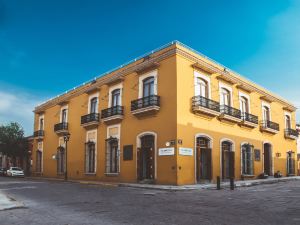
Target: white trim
{"points": [[233, 149], [60, 114], [195, 149], [96, 149], [111, 89], [229, 88], [118, 136], [265, 104], [89, 103], [263, 158], [138, 145], [287, 114], [39, 125], [205, 77], [154, 74], [241, 94]]}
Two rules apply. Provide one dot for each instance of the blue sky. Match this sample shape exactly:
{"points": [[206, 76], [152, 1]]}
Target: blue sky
{"points": [[47, 47]]}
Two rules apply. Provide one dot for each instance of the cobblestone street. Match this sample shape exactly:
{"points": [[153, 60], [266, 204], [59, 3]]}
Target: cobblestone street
{"points": [[49, 202]]}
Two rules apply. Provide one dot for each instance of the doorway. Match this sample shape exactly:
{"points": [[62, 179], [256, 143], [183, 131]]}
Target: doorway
{"points": [[227, 160], [268, 159], [203, 160], [145, 158]]}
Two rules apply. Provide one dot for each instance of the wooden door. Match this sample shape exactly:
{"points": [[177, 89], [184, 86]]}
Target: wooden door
{"points": [[146, 155]]}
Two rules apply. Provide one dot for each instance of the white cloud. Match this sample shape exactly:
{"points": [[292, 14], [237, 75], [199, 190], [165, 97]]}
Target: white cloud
{"points": [[17, 106]]}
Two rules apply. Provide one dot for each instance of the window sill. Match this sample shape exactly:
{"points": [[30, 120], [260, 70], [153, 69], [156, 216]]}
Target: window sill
{"points": [[112, 174], [248, 175], [90, 174]]}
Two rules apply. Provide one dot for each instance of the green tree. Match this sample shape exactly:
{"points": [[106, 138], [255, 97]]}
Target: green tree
{"points": [[12, 140]]}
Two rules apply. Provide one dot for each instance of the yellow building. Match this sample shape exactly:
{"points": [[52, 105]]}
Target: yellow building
{"points": [[172, 116]]}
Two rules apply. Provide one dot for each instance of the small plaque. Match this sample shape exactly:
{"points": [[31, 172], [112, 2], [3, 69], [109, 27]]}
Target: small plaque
{"points": [[166, 151], [186, 151], [256, 154], [127, 152]]}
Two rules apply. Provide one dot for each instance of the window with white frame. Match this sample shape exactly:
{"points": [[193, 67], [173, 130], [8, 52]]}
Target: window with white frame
{"points": [[244, 105], [64, 115], [113, 149], [148, 84], [90, 152], [287, 121], [41, 123], [93, 105], [202, 85], [266, 113], [116, 97], [247, 159], [225, 97]]}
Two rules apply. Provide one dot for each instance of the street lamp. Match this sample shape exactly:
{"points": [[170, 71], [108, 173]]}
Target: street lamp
{"points": [[66, 139]]}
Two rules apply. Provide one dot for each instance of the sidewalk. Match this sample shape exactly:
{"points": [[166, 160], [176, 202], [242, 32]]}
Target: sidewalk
{"points": [[8, 203], [245, 183]]}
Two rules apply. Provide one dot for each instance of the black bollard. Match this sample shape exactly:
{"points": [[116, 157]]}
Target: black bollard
{"points": [[231, 183], [218, 183]]}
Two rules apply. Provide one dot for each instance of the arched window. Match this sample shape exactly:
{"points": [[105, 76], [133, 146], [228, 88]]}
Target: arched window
{"points": [[288, 122], [93, 105], [148, 86], [41, 124], [266, 113], [247, 159], [202, 87], [60, 160], [244, 105], [90, 158], [115, 97], [64, 116], [225, 97], [112, 156], [39, 158]]}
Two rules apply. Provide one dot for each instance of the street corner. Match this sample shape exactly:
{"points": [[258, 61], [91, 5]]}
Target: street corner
{"points": [[7, 203]]}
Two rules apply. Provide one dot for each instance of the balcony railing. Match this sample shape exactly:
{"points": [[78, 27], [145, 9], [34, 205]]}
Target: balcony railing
{"points": [[38, 133], [267, 124], [152, 100], [92, 117], [230, 111], [60, 127], [250, 118], [291, 132], [200, 101], [113, 111]]}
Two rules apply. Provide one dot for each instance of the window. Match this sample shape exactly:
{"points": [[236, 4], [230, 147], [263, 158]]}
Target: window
{"points": [[148, 86], [93, 105], [288, 122], [39, 161], [290, 163], [41, 124], [90, 157], [247, 159], [266, 113], [112, 156], [244, 105], [64, 116], [202, 87], [225, 97], [115, 97], [60, 160]]}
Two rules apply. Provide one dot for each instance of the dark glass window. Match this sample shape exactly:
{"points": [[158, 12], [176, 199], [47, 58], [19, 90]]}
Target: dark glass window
{"points": [[93, 105], [148, 86], [115, 97]]}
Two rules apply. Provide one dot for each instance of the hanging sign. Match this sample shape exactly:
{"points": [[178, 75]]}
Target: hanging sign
{"points": [[185, 151], [166, 151]]}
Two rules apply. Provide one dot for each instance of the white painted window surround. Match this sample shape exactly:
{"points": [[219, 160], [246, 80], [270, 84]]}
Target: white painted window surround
{"points": [[263, 105], [61, 110], [246, 96], [197, 86], [154, 74], [227, 87], [89, 104], [92, 139], [285, 117], [118, 136], [41, 117], [111, 89]]}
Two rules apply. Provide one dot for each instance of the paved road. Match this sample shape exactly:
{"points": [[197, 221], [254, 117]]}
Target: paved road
{"points": [[60, 203]]}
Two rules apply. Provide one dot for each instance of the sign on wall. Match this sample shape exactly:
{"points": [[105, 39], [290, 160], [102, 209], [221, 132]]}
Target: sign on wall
{"points": [[166, 151], [256, 154], [185, 151], [127, 152]]}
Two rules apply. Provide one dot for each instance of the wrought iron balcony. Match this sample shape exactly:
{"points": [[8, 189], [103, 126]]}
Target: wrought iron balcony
{"points": [[61, 128], [204, 105], [39, 134], [249, 120], [269, 126], [146, 104], [113, 113], [291, 133], [89, 120], [230, 113]]}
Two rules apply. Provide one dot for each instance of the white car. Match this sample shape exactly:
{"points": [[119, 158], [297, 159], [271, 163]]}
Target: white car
{"points": [[15, 172]]}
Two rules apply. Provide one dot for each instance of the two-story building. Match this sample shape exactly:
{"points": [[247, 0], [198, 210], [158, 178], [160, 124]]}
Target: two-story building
{"points": [[173, 116]]}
